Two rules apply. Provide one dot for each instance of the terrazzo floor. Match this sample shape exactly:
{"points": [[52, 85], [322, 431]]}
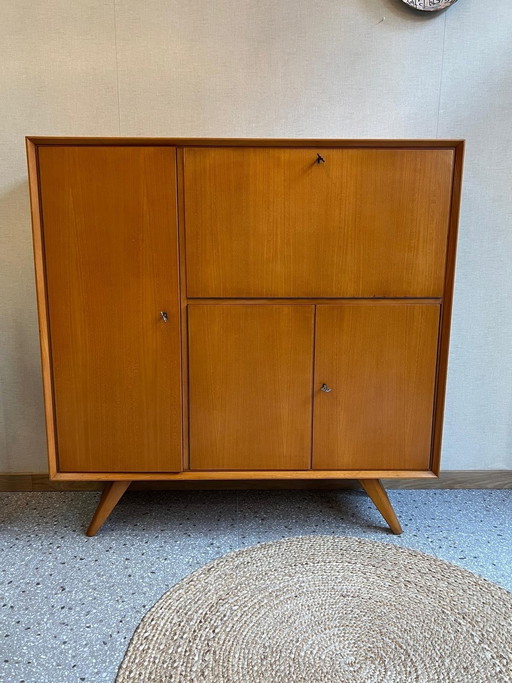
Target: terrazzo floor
{"points": [[69, 604]]}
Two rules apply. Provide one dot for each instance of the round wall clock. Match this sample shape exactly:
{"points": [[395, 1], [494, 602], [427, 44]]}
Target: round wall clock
{"points": [[429, 5]]}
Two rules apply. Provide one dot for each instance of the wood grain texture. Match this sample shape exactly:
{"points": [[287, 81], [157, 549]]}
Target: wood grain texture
{"points": [[379, 497], [231, 475], [435, 181], [446, 310], [183, 310], [250, 383], [314, 300], [275, 223], [244, 474], [449, 479], [244, 142], [110, 244], [381, 364], [110, 497], [42, 305]]}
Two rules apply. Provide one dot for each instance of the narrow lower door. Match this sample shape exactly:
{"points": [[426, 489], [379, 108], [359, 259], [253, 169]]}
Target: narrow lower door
{"points": [[375, 369], [250, 383], [110, 241]]}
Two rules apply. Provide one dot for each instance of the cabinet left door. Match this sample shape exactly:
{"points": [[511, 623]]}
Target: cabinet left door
{"points": [[109, 237]]}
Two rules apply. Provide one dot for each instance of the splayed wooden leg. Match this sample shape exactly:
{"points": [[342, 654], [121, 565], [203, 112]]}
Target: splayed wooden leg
{"points": [[379, 497], [109, 499]]}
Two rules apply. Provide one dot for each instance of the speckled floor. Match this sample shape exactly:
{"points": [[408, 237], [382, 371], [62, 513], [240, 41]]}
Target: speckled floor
{"points": [[69, 604]]}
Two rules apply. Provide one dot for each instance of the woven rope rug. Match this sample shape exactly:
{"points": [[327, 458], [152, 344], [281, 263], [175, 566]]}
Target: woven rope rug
{"points": [[322, 610]]}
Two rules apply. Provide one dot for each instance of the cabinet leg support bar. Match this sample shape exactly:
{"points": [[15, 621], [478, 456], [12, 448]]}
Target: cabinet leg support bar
{"points": [[379, 497], [109, 498]]}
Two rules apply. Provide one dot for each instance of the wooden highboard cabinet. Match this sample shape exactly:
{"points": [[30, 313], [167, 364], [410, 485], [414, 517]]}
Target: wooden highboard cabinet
{"points": [[244, 309]]}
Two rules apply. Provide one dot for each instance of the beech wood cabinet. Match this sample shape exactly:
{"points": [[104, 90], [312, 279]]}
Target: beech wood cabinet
{"points": [[244, 309]]}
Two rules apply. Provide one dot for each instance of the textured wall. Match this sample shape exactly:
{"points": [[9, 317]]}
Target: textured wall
{"points": [[261, 68]]}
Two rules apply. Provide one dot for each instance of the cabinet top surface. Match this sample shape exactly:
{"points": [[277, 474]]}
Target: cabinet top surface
{"points": [[242, 142]]}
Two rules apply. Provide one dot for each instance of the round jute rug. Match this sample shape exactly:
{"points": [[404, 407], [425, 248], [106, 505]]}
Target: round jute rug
{"points": [[321, 610]]}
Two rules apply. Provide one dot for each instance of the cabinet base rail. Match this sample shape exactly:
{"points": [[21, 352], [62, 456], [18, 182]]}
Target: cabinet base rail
{"points": [[114, 490]]}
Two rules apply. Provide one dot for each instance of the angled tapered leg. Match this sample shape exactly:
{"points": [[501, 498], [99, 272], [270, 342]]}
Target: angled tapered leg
{"points": [[109, 498], [379, 497]]}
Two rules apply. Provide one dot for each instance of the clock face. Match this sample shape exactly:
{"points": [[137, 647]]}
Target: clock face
{"points": [[429, 5]]}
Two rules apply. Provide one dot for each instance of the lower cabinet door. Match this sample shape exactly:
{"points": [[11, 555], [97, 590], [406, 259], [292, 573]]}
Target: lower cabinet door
{"points": [[250, 386], [377, 366]]}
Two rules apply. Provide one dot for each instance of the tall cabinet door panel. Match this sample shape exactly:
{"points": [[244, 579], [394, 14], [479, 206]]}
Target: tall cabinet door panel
{"points": [[110, 241], [313, 222], [379, 363], [250, 386]]}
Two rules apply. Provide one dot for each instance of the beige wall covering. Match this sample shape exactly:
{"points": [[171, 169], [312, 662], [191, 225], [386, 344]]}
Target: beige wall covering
{"points": [[261, 68]]}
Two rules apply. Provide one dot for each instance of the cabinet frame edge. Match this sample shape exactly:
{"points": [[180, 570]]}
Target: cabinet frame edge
{"points": [[247, 142], [446, 309], [42, 305], [230, 475], [32, 144]]}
